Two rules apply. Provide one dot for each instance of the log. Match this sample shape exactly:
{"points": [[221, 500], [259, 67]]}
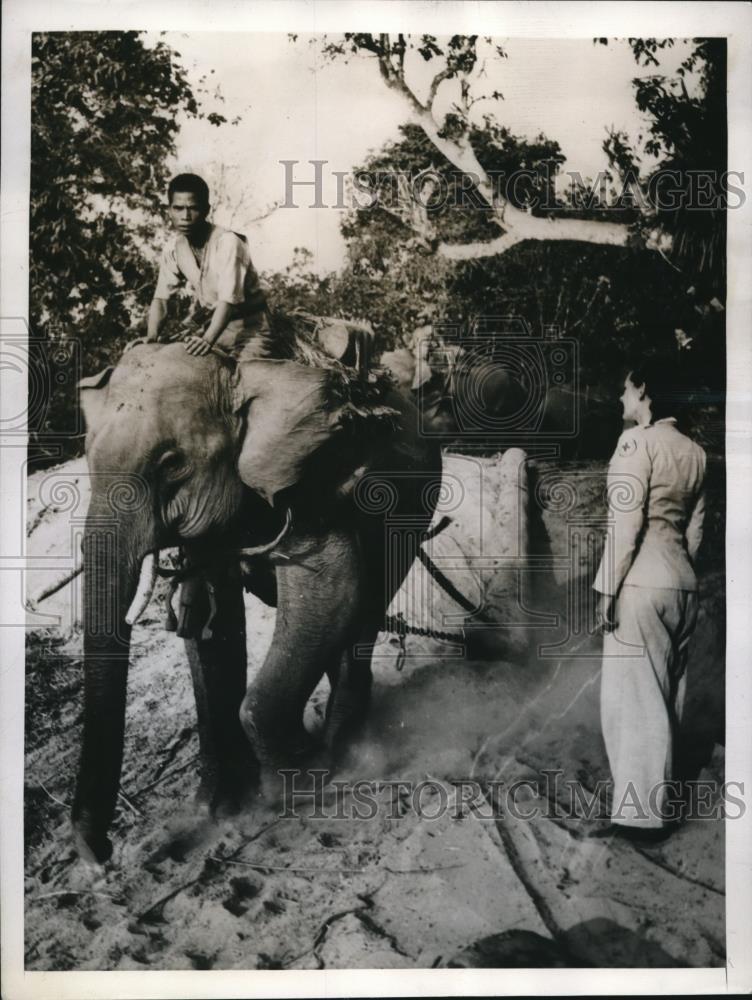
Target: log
{"points": [[482, 553], [54, 588]]}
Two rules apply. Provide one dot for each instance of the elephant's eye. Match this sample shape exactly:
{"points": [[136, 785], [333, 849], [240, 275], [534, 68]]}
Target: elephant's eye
{"points": [[172, 466]]}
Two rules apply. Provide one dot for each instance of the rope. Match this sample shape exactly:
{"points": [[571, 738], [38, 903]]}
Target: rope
{"points": [[445, 583]]}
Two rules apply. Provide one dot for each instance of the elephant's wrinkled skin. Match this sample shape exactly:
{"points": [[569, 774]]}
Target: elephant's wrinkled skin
{"points": [[465, 392], [469, 395], [186, 451]]}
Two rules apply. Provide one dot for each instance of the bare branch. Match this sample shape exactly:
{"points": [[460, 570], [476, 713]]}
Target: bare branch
{"points": [[465, 96], [479, 250], [269, 210], [515, 224], [444, 74], [534, 228]]}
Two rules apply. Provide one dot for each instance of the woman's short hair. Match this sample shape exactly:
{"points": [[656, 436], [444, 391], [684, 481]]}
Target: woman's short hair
{"points": [[664, 384], [189, 184]]}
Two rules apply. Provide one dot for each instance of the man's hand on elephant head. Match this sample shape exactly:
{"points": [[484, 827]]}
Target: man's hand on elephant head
{"points": [[139, 340], [197, 345]]}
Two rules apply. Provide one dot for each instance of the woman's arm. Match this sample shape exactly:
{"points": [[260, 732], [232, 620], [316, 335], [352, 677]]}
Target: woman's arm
{"points": [[628, 486], [694, 527]]}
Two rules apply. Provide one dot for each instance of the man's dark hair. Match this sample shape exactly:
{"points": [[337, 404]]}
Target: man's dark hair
{"points": [[189, 184], [664, 383]]}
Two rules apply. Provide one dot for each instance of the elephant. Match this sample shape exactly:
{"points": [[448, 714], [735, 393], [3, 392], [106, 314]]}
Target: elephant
{"points": [[458, 391], [467, 393], [307, 485]]}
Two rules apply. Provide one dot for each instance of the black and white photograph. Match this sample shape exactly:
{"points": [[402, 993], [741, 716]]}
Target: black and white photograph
{"points": [[376, 460]]}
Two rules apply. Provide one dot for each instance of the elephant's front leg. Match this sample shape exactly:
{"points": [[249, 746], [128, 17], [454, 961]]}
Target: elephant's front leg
{"points": [[318, 611], [229, 771], [351, 688]]}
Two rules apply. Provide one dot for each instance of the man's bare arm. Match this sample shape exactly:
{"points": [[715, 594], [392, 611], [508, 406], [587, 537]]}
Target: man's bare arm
{"points": [[220, 318], [157, 316]]}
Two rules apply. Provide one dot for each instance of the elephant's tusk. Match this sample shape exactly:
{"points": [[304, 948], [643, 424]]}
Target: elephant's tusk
{"points": [[258, 550], [146, 581]]}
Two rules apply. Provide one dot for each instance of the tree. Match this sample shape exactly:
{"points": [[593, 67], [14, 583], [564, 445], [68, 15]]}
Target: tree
{"points": [[393, 276], [447, 147], [414, 200], [105, 110], [299, 289], [459, 62], [104, 121], [687, 131]]}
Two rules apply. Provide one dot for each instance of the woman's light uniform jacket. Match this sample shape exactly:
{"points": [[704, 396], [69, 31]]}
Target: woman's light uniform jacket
{"points": [[656, 507]]}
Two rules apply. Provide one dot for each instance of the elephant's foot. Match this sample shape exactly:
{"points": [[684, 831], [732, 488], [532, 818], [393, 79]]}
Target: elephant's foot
{"points": [[227, 796], [278, 761], [346, 711], [284, 747], [93, 846], [343, 724]]}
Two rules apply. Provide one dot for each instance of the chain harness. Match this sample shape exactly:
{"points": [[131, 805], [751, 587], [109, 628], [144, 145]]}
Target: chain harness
{"points": [[396, 624]]}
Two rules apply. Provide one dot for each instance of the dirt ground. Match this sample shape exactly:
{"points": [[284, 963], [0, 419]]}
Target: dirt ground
{"points": [[398, 889]]}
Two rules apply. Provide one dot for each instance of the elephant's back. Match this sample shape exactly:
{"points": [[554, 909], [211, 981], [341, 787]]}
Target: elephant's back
{"points": [[486, 393], [403, 474], [414, 446], [155, 368]]}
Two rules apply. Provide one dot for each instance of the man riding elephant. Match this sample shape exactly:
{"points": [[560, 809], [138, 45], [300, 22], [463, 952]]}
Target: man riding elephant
{"points": [[216, 264], [228, 307]]}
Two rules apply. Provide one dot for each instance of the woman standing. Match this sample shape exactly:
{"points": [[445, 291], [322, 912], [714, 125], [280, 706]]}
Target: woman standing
{"points": [[648, 604]]}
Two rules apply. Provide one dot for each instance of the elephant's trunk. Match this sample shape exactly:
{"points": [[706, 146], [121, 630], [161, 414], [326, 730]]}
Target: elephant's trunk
{"points": [[110, 574]]}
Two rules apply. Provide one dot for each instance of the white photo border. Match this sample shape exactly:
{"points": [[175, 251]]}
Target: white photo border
{"points": [[502, 19]]}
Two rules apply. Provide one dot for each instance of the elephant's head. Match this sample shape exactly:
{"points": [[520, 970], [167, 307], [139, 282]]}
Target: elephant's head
{"points": [[457, 389], [178, 447], [192, 451]]}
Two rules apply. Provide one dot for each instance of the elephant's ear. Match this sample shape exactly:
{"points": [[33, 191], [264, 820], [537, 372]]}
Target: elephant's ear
{"points": [[401, 364], [292, 412], [423, 372], [93, 396], [334, 337]]}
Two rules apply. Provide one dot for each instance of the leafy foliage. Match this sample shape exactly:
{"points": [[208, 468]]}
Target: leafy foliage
{"points": [[687, 130], [579, 291], [298, 288], [459, 52], [104, 122], [617, 302], [399, 283], [391, 274]]}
